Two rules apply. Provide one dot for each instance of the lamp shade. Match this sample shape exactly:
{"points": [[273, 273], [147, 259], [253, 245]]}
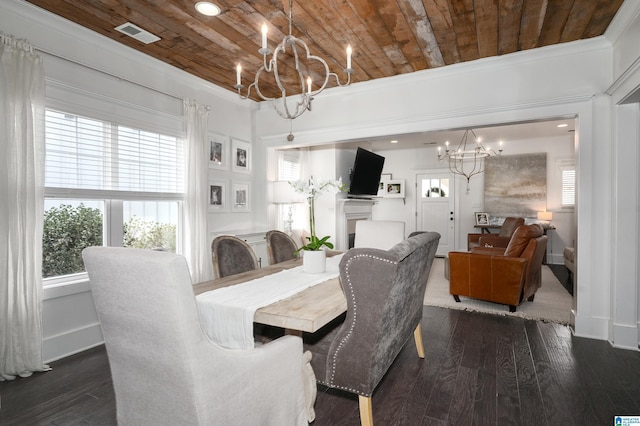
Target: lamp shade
{"points": [[548, 216], [283, 193]]}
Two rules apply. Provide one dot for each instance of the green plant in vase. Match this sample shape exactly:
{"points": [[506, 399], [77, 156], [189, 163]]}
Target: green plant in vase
{"points": [[312, 188]]}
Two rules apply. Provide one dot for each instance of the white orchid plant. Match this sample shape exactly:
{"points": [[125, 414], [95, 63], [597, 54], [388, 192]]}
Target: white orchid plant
{"points": [[312, 188]]}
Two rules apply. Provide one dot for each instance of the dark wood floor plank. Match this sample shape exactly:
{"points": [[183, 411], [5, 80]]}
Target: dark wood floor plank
{"points": [[444, 387], [531, 404], [462, 404], [554, 395], [507, 398], [479, 369], [484, 410], [574, 398], [393, 393]]}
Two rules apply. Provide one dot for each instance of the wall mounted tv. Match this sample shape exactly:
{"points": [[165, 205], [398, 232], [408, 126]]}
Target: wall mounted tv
{"points": [[365, 176]]}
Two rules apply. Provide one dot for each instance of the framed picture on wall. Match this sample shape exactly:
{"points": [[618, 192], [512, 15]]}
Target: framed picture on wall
{"points": [[241, 197], [218, 151], [217, 196], [394, 188], [384, 178], [240, 156], [482, 218]]}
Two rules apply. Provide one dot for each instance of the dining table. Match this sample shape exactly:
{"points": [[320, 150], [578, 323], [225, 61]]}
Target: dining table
{"points": [[306, 311]]}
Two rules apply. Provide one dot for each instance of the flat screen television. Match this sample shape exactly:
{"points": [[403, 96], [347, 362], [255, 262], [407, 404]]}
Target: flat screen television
{"points": [[365, 176]]}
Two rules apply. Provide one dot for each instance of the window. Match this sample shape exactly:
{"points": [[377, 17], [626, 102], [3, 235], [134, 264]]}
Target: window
{"points": [[568, 187], [435, 188], [290, 169], [107, 184]]}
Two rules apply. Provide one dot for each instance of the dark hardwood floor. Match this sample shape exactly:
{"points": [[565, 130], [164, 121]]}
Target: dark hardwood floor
{"points": [[479, 369]]}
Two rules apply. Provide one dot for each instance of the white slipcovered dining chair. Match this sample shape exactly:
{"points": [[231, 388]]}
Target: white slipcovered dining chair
{"points": [[165, 369], [380, 234]]}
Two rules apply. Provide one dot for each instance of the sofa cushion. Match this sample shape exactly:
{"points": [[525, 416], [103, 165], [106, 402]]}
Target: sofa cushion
{"points": [[521, 238], [510, 225], [569, 254]]}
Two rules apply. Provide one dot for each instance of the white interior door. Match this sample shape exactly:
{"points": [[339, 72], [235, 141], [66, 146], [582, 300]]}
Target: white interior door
{"points": [[435, 207]]}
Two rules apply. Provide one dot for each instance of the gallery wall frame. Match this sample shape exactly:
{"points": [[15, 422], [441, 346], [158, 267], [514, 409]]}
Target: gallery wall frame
{"points": [[241, 197], [218, 151], [217, 195], [384, 178], [394, 188], [240, 156]]}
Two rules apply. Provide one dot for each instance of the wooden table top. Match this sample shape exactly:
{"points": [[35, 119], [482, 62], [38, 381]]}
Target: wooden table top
{"points": [[308, 310]]}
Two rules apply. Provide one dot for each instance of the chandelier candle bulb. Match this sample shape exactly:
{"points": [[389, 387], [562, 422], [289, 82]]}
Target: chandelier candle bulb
{"points": [[309, 85], [264, 36], [238, 75], [349, 51]]}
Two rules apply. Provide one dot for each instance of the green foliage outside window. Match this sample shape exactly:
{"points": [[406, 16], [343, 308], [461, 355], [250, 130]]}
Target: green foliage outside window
{"points": [[150, 235], [68, 230]]}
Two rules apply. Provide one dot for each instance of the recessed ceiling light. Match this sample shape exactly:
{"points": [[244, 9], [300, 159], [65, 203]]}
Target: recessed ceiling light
{"points": [[394, 141], [563, 125], [207, 8]]}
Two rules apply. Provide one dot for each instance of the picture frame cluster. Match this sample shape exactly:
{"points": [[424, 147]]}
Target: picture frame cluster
{"points": [[229, 154]]}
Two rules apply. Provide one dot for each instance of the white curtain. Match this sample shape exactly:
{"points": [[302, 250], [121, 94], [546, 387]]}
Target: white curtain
{"points": [[21, 208], [197, 248]]}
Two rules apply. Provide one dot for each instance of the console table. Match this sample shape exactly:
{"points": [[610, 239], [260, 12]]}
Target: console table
{"points": [[486, 229]]}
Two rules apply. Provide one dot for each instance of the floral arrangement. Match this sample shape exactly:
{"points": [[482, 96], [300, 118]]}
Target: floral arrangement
{"points": [[312, 188]]}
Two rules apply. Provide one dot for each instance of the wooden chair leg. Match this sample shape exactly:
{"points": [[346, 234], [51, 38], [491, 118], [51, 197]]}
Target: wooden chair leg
{"points": [[417, 335], [366, 412]]}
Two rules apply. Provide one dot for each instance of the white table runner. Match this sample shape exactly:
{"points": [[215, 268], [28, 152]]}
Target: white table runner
{"points": [[227, 313]]}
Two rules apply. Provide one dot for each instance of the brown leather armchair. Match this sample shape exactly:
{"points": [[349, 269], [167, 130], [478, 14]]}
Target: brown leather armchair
{"points": [[500, 239], [507, 276]]}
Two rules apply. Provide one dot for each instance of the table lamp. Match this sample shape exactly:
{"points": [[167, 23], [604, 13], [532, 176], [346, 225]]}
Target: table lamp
{"points": [[283, 193], [545, 216]]}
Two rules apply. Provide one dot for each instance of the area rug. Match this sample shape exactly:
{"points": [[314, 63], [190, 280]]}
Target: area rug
{"points": [[552, 302]]}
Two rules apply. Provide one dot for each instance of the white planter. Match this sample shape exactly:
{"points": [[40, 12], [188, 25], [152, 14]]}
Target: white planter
{"points": [[314, 262]]}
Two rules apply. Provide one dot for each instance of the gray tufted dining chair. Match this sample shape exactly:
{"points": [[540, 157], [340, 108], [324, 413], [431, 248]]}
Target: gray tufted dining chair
{"points": [[280, 247], [231, 255], [385, 292]]}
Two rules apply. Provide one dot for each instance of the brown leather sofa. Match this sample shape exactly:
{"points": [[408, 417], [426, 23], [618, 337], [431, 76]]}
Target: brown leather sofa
{"points": [[507, 276], [500, 239]]}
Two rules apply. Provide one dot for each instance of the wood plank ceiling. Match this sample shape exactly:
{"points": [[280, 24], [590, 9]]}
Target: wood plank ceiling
{"points": [[389, 37]]}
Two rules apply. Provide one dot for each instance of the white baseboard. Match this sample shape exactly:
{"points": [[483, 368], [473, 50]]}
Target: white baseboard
{"points": [[624, 336], [71, 342], [592, 328]]}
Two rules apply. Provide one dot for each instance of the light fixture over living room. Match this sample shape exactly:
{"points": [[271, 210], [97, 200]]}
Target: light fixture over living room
{"points": [[467, 161], [301, 65]]}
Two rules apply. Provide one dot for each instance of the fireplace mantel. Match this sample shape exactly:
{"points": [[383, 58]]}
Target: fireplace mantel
{"points": [[350, 211]]}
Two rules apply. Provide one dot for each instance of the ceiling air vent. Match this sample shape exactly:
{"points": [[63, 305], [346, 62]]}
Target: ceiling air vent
{"points": [[138, 33]]}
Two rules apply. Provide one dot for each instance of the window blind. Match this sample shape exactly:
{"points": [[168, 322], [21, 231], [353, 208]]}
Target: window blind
{"points": [[88, 154], [289, 165], [568, 187]]}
